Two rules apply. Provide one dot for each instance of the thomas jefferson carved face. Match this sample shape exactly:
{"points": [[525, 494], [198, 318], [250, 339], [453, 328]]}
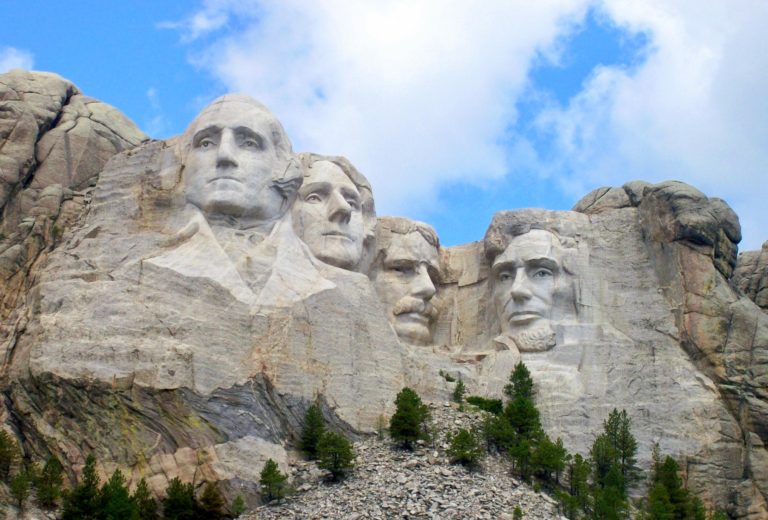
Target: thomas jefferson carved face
{"points": [[231, 162], [405, 279], [328, 217], [525, 280]]}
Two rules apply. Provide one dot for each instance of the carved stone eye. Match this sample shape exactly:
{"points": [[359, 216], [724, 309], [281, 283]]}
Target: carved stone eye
{"points": [[542, 273], [313, 197], [205, 143], [505, 276]]}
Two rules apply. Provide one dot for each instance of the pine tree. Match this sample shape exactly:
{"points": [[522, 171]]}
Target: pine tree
{"points": [[578, 476], [335, 454], [549, 459], [464, 448], [180, 502], [49, 482], [238, 506], [520, 383], [272, 482], [146, 505], [667, 475], [659, 507], [115, 500], [314, 427], [19, 487], [618, 431], [603, 457], [82, 503], [408, 424], [9, 453], [459, 391], [211, 503]]}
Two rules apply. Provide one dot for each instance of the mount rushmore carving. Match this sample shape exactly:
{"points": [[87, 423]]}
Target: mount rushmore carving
{"points": [[193, 296]]}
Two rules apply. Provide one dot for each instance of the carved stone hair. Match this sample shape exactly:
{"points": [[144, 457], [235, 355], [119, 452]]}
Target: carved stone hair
{"points": [[403, 226], [507, 225], [286, 179], [358, 179]]}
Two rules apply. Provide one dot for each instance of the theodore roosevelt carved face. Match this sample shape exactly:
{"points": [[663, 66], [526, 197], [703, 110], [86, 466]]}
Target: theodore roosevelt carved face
{"points": [[333, 213], [405, 276], [237, 167], [526, 277]]}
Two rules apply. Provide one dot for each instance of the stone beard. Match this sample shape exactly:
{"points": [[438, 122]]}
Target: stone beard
{"points": [[528, 278], [237, 160], [405, 278], [328, 215]]}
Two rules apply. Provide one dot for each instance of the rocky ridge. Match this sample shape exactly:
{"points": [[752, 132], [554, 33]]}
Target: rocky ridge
{"points": [[388, 482]]}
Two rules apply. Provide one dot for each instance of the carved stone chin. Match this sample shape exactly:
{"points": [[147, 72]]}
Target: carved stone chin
{"points": [[539, 337]]}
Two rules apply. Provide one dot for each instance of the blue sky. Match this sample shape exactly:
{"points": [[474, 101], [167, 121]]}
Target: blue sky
{"points": [[454, 110]]}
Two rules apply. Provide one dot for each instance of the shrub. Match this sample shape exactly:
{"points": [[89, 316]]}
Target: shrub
{"points": [[408, 424], [272, 482], [493, 406], [465, 449], [335, 454], [114, 499], [20, 487]]}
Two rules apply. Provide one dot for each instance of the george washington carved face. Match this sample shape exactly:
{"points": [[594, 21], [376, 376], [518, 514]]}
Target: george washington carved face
{"points": [[236, 150]]}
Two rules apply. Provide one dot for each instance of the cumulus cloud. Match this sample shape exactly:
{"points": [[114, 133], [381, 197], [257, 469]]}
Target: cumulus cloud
{"points": [[694, 111], [414, 93], [422, 94], [13, 58]]}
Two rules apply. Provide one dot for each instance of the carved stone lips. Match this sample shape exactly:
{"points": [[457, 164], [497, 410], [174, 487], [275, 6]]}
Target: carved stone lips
{"points": [[224, 177], [336, 233], [415, 317], [522, 316]]}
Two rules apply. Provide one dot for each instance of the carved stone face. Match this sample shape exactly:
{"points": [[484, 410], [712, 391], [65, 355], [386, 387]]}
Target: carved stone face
{"points": [[525, 279], [229, 168], [405, 281], [327, 215]]}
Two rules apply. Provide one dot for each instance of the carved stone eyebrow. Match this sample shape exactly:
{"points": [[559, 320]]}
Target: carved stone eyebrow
{"points": [[208, 131], [314, 187], [545, 261], [246, 132]]}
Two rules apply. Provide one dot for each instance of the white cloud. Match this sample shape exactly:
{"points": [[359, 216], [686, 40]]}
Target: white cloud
{"points": [[414, 93], [695, 111], [13, 58], [421, 93]]}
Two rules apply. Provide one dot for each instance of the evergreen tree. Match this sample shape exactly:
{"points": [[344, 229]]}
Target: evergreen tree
{"points": [[464, 448], [272, 482], [211, 503], [82, 503], [498, 433], [604, 458], [521, 455], [518, 513], [408, 424], [659, 507], [618, 431], [48, 483], [115, 501], [549, 459], [19, 487], [238, 506], [578, 476], [609, 502], [314, 427], [493, 406], [146, 505], [335, 454], [520, 383], [459, 391], [180, 502], [9, 453], [667, 475], [524, 417]]}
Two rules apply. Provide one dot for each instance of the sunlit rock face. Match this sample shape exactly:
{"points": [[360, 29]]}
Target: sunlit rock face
{"points": [[175, 308]]}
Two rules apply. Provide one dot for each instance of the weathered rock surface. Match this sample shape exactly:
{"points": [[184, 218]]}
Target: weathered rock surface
{"points": [[751, 276], [160, 311]]}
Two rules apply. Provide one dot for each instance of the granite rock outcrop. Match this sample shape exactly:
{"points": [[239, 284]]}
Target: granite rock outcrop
{"points": [[175, 306]]}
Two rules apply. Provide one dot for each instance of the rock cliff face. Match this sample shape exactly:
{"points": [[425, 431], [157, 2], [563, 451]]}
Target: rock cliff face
{"points": [[174, 306], [751, 276]]}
